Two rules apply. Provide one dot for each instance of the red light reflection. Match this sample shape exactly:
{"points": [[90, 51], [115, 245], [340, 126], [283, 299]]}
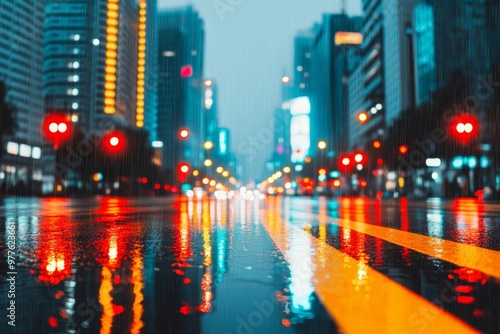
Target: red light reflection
{"points": [[54, 251]]}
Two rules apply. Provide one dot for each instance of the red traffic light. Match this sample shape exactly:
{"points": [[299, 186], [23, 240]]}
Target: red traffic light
{"points": [[359, 157], [464, 128], [114, 142], [403, 149], [57, 128], [182, 171], [345, 162], [183, 133], [184, 168]]}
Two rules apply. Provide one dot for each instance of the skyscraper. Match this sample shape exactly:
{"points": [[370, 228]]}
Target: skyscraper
{"points": [[324, 81], [180, 85], [99, 66], [98, 60], [21, 59], [385, 66], [450, 38]]}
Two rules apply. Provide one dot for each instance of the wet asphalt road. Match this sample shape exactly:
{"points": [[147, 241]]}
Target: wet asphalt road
{"points": [[274, 265]]}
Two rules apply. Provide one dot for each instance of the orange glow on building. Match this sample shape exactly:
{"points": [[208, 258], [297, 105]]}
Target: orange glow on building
{"points": [[141, 61], [111, 46]]}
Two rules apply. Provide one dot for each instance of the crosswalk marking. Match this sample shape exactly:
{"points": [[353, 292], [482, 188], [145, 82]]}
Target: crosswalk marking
{"points": [[462, 255], [359, 298]]}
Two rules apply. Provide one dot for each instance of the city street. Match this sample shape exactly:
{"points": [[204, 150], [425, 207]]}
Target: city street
{"points": [[249, 264]]}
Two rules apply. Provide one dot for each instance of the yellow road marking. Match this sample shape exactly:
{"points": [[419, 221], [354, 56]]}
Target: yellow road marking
{"points": [[462, 255], [360, 299]]}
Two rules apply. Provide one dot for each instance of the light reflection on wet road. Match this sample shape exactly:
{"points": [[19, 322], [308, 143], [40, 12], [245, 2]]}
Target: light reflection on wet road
{"points": [[280, 265]]}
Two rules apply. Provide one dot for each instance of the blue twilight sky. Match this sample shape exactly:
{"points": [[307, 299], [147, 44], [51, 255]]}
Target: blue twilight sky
{"points": [[248, 48]]}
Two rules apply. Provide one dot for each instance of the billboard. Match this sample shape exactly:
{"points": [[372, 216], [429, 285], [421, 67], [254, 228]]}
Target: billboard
{"points": [[300, 106], [350, 38], [223, 141], [300, 139]]}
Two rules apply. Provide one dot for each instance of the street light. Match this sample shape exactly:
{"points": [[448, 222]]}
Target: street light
{"points": [[322, 145], [362, 117], [219, 170], [285, 79], [225, 173], [208, 163], [208, 145], [286, 170]]}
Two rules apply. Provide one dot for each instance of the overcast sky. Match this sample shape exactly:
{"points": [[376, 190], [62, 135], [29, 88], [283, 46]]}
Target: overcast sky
{"points": [[248, 48]]}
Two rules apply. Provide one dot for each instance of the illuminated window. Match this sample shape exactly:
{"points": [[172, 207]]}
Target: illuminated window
{"points": [[36, 152], [37, 175], [13, 148], [25, 150]]}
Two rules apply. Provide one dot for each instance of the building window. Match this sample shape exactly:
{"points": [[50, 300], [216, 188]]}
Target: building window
{"points": [[13, 148], [37, 175], [25, 150], [36, 152]]}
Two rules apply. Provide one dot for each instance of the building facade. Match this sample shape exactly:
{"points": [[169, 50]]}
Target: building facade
{"points": [[180, 85], [385, 62], [99, 66], [21, 60], [325, 82]]}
